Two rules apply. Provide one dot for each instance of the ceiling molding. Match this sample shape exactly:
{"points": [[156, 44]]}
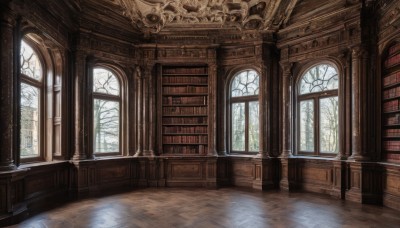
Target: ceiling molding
{"points": [[153, 16]]}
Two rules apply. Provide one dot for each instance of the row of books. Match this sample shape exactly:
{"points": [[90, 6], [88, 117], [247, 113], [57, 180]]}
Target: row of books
{"points": [[393, 119], [200, 110], [183, 80], [390, 93], [185, 120], [185, 139], [393, 49], [184, 129], [391, 133], [392, 61], [391, 145], [185, 89], [391, 79], [391, 106], [392, 157], [188, 149], [196, 100], [185, 70]]}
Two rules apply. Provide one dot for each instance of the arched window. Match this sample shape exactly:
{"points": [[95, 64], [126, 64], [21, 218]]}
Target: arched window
{"points": [[106, 112], [317, 109], [244, 126], [31, 103]]}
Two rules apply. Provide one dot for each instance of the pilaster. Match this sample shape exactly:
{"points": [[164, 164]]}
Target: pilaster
{"points": [[7, 86]]}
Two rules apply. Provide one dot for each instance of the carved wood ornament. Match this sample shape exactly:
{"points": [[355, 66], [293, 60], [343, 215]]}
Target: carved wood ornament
{"points": [[154, 15]]}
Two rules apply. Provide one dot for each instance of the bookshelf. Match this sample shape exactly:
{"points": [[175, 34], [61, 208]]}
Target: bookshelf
{"points": [[391, 105], [184, 104]]}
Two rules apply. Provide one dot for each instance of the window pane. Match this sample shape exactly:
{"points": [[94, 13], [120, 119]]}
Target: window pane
{"points": [[319, 78], [30, 122], [238, 126], [245, 83], [329, 125], [254, 127], [106, 126], [307, 125], [105, 82], [30, 63]]}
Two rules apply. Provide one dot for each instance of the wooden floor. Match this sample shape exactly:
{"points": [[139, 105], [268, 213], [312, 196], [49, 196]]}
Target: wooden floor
{"points": [[226, 207]]}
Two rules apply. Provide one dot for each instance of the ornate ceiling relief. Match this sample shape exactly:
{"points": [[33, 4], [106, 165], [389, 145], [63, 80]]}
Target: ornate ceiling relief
{"points": [[154, 15]]}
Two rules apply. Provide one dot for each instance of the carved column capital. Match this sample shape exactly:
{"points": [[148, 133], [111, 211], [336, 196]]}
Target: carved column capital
{"points": [[286, 68], [358, 51]]}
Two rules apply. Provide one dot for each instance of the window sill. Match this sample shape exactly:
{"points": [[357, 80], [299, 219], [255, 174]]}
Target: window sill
{"points": [[315, 157], [42, 163]]}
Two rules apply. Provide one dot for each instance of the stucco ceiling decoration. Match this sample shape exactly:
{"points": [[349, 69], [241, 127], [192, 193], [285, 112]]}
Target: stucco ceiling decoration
{"points": [[155, 15]]}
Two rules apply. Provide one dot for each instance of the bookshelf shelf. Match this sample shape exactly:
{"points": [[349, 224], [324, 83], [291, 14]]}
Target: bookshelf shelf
{"points": [[174, 134], [184, 104], [188, 75], [391, 104], [184, 94]]}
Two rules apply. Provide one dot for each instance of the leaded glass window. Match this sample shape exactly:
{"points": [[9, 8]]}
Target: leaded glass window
{"points": [[318, 111], [106, 112], [30, 102], [244, 132]]}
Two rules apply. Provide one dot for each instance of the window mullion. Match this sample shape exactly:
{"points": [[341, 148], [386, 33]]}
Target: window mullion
{"points": [[316, 126], [246, 128]]}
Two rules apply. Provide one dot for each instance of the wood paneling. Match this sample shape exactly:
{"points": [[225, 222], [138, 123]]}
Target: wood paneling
{"points": [[242, 171], [391, 186]]}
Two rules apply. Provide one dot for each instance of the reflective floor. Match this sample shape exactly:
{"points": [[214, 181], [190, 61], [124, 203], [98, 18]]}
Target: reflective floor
{"points": [[226, 207]]}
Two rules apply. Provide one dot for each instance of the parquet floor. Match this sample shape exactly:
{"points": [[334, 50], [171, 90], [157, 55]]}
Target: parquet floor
{"points": [[225, 207]]}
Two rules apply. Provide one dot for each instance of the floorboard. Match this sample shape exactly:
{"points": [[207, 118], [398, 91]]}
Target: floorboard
{"points": [[225, 207]]}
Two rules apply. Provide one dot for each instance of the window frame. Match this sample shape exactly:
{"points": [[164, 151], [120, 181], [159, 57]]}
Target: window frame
{"points": [[246, 100], [40, 85], [107, 97], [316, 97]]}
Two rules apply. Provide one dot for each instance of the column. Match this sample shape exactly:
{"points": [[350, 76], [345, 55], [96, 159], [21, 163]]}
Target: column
{"points": [[212, 109], [150, 111], [7, 100], [286, 110], [221, 114], [263, 111], [358, 98], [80, 84], [139, 111]]}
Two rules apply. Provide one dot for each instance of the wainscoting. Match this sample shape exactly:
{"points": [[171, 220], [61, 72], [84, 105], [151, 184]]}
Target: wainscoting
{"points": [[34, 187]]}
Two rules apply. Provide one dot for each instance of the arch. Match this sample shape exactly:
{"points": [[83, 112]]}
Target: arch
{"points": [[243, 111], [112, 96], [317, 109]]}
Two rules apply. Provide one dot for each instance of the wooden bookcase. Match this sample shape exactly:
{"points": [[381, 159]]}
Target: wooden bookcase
{"points": [[184, 105], [391, 105]]}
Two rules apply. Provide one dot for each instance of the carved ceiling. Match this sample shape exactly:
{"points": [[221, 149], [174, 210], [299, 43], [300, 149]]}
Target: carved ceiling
{"points": [[153, 16]]}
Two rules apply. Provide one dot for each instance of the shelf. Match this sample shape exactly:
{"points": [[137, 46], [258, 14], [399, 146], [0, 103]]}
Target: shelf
{"points": [[393, 54], [389, 68], [392, 125], [185, 143], [185, 84], [185, 124], [186, 115], [184, 105], [391, 112], [184, 94], [387, 138], [183, 134], [188, 75], [391, 98], [391, 86], [392, 151]]}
